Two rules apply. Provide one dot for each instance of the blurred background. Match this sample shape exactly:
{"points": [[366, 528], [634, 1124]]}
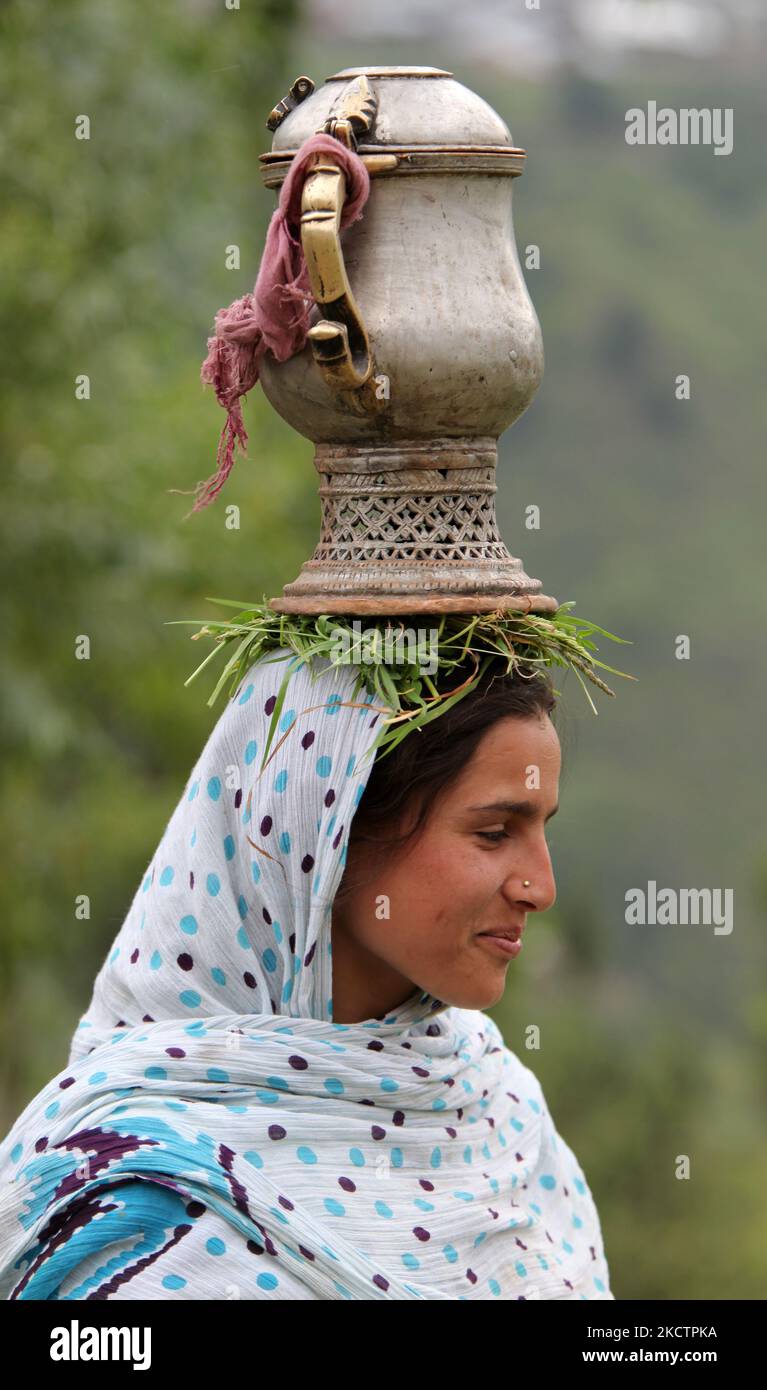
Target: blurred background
{"points": [[652, 517]]}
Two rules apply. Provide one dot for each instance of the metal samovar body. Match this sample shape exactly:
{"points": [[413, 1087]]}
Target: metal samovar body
{"points": [[424, 346]]}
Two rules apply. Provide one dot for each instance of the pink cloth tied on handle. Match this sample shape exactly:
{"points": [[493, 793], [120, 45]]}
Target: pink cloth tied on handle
{"points": [[262, 320]]}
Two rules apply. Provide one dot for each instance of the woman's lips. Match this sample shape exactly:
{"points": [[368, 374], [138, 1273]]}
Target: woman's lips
{"points": [[502, 944]]}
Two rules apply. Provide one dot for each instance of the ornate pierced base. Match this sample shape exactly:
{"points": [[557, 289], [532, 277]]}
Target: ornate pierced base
{"points": [[410, 528]]}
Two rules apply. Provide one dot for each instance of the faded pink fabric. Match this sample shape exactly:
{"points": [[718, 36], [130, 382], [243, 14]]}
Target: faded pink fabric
{"points": [[261, 321]]}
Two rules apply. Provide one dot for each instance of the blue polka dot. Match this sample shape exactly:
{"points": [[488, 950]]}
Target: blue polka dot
{"points": [[188, 925], [190, 999], [216, 1074], [324, 766], [255, 870], [242, 906], [173, 1281], [350, 767], [166, 876], [288, 719], [155, 1073], [251, 750], [387, 1083], [334, 1207], [306, 1154], [193, 790], [357, 1157], [281, 781], [156, 961], [383, 1210], [229, 847], [285, 842], [270, 960], [96, 1078], [218, 975], [214, 788], [246, 694], [548, 1181], [334, 1086], [333, 705], [52, 1109], [267, 1281], [213, 884], [254, 1158], [214, 1246]]}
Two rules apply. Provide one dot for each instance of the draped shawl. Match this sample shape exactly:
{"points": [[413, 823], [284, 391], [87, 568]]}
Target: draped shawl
{"points": [[215, 1134]]}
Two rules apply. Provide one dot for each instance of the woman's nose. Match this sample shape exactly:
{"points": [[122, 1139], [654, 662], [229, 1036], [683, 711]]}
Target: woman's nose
{"points": [[535, 869]]}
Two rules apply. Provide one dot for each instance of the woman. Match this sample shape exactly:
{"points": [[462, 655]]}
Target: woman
{"points": [[284, 1086]]}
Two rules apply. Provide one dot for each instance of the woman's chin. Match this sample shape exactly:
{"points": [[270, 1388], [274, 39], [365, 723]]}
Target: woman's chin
{"points": [[479, 994]]}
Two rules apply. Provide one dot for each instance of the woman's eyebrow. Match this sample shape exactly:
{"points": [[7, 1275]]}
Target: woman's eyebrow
{"points": [[526, 809]]}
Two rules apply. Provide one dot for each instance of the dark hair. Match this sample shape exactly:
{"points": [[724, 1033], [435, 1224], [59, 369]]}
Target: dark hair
{"points": [[429, 759]]}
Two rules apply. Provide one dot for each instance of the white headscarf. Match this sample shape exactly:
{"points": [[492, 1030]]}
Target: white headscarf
{"points": [[215, 1135]]}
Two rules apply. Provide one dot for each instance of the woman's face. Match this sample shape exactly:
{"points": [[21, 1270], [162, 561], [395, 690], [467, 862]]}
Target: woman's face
{"points": [[416, 919]]}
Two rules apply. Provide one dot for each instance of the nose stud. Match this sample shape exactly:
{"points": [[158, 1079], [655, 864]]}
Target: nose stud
{"points": [[526, 883]]}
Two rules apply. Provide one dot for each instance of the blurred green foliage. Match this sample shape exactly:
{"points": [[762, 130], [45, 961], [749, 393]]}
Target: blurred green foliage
{"points": [[651, 1040]]}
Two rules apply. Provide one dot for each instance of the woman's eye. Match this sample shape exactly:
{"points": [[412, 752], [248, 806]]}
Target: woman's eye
{"points": [[494, 835]]}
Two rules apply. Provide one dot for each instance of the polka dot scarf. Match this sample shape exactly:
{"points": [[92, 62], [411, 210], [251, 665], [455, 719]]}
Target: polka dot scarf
{"points": [[215, 1135]]}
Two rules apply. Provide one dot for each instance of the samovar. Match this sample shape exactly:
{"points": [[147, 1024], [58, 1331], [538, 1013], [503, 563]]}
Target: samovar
{"points": [[424, 345]]}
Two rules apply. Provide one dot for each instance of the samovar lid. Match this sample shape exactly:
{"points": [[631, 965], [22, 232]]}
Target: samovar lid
{"points": [[421, 115]]}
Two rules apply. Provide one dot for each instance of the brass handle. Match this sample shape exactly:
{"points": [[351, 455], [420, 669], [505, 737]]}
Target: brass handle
{"points": [[339, 342]]}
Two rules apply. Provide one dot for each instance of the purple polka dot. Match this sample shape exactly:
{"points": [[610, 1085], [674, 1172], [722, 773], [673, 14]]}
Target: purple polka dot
{"points": [[347, 1184], [307, 863], [175, 1052], [426, 1185], [380, 1281], [375, 1045], [377, 1132], [267, 916], [330, 797], [40, 1145], [308, 958], [68, 1081], [266, 825], [421, 1233], [398, 1118], [191, 878], [286, 1203], [276, 1132], [298, 1063], [269, 706], [185, 961], [237, 798], [195, 1209], [308, 739], [134, 956], [249, 980], [337, 839]]}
